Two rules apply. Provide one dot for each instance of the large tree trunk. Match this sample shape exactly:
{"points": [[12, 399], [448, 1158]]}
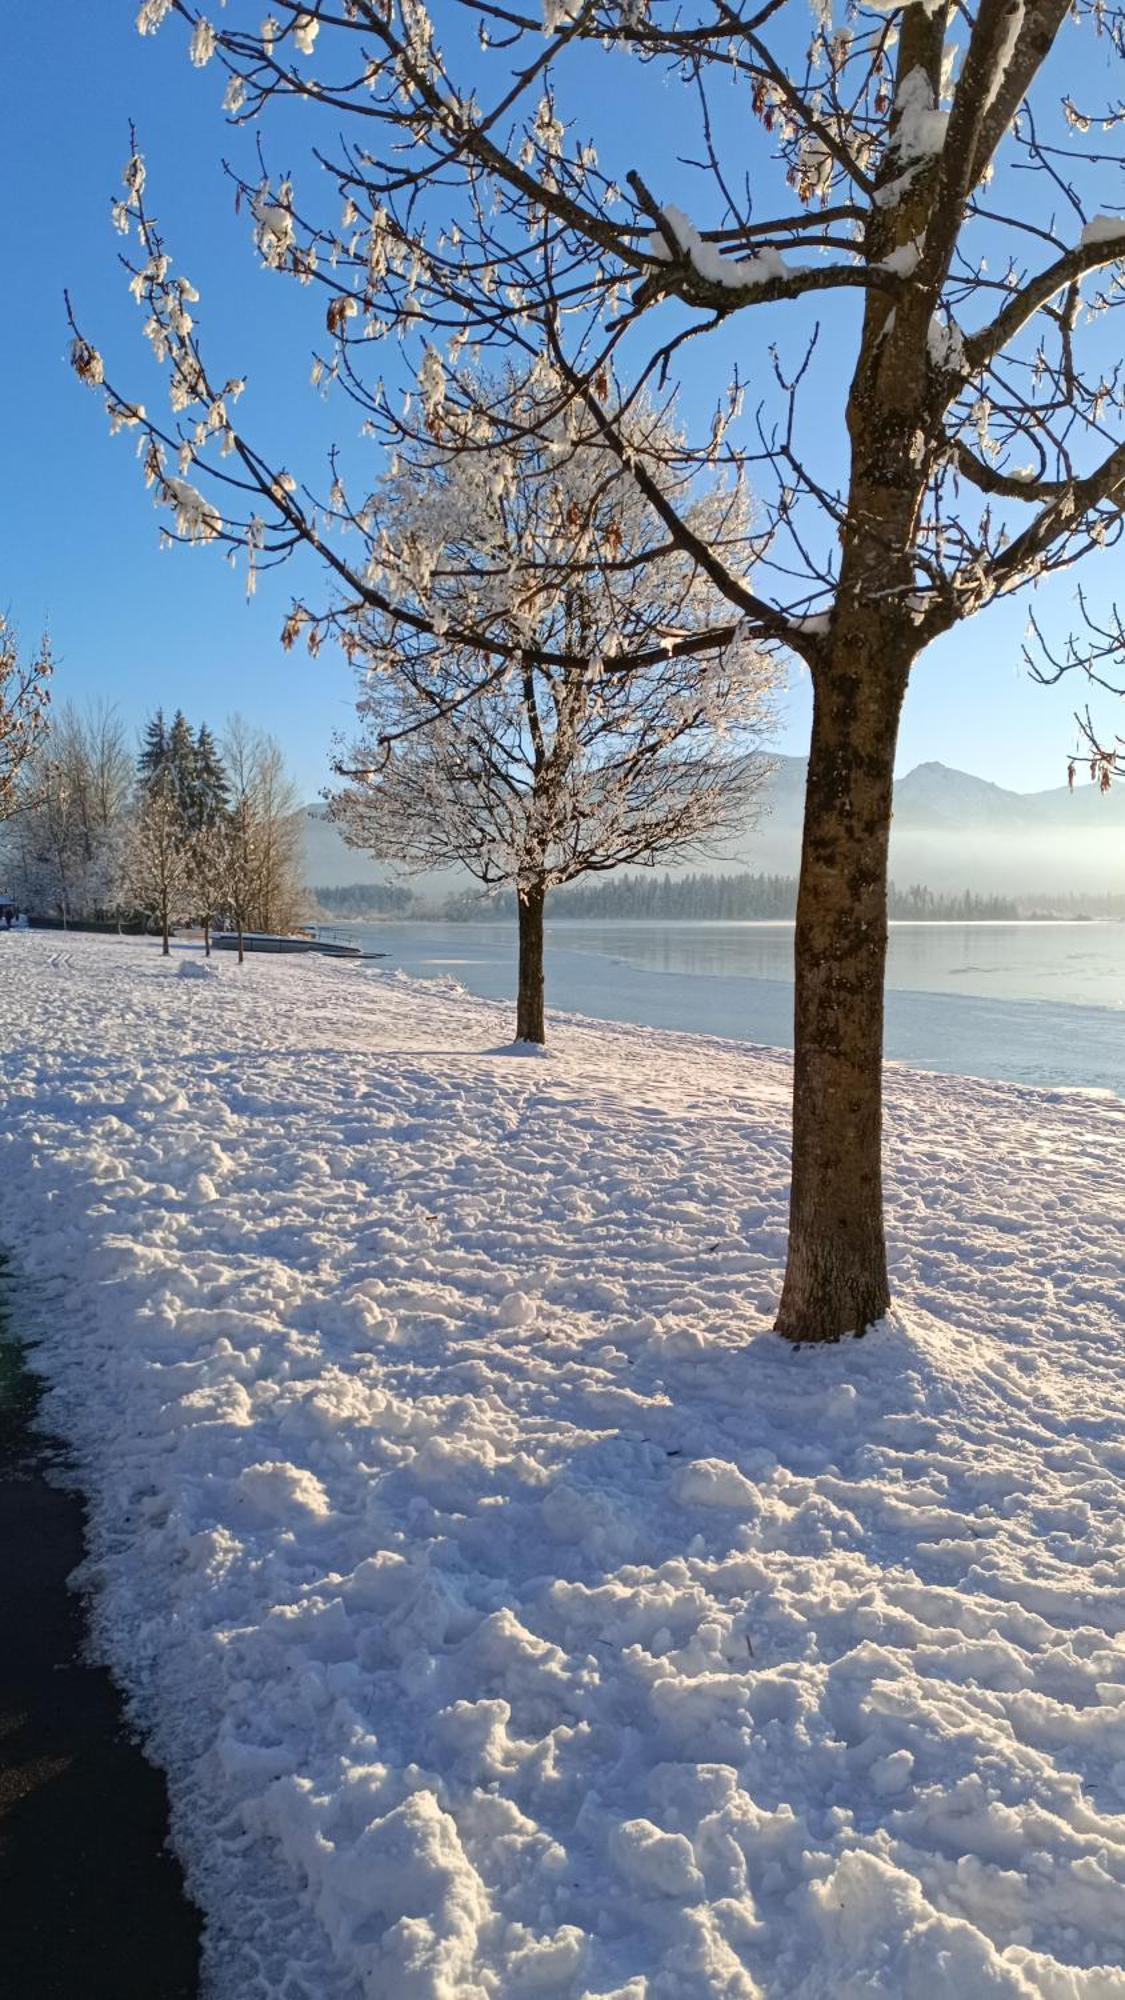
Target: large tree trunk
{"points": [[836, 1276], [530, 1018]]}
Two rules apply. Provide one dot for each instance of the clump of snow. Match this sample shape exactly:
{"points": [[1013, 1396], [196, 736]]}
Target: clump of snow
{"points": [[714, 1482], [655, 1863], [197, 968], [516, 1309], [946, 345], [904, 261], [511, 1611], [281, 1491], [1104, 229], [737, 274], [918, 127], [929, 7]]}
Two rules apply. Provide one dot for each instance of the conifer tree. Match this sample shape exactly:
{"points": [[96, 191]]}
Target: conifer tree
{"points": [[181, 765], [154, 747], [211, 786]]}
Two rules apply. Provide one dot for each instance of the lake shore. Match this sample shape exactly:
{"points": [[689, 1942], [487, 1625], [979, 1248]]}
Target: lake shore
{"points": [[1024, 1003]]}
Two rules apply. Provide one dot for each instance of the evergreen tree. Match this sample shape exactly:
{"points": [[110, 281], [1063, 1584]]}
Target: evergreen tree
{"points": [[181, 764], [212, 786], [154, 749]]}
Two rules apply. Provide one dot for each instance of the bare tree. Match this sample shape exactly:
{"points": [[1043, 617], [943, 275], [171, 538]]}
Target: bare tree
{"points": [[280, 892], [63, 846], [159, 861], [565, 763], [922, 174], [263, 858], [88, 794], [24, 701], [48, 842], [211, 873]]}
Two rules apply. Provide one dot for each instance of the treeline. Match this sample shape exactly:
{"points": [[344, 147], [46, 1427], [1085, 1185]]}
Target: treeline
{"points": [[367, 899], [744, 898], [719, 898], [188, 831], [662, 898]]}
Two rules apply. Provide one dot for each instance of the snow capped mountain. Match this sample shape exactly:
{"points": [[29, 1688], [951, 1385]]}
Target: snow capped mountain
{"points": [[936, 796], [951, 831]]}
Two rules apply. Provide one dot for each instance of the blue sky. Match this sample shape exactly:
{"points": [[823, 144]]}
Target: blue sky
{"points": [[141, 626]]}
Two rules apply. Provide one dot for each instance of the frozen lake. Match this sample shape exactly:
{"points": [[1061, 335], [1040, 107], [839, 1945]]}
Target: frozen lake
{"points": [[1034, 1003]]}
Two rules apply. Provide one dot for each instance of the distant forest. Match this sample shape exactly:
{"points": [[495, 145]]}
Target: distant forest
{"points": [[368, 899], [667, 899], [735, 898]]}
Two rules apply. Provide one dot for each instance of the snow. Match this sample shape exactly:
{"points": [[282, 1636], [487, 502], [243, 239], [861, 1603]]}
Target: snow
{"points": [[512, 1613], [196, 519], [946, 345], [738, 274], [1103, 229], [919, 127], [904, 261]]}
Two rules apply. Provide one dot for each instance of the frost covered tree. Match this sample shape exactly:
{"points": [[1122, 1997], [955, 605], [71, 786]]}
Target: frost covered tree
{"points": [[263, 851], [207, 813], [170, 750], [64, 850], [279, 886], [212, 873], [926, 180], [159, 859], [210, 787], [564, 761], [24, 702], [189, 771]]}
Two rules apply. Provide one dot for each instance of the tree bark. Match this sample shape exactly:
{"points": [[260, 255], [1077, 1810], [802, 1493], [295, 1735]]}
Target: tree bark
{"points": [[836, 1275], [206, 937], [164, 944], [530, 1017]]}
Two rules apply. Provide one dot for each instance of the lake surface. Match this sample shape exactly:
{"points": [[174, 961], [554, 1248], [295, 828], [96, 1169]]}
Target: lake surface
{"points": [[1033, 1003]]}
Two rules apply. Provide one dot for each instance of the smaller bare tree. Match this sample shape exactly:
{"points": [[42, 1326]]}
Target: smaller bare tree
{"points": [[25, 696], [210, 866], [159, 863], [63, 846], [260, 857], [281, 896], [592, 744]]}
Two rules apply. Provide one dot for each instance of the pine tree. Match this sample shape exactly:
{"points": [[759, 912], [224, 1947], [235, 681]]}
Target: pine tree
{"points": [[159, 861], [181, 764], [154, 749], [211, 784]]}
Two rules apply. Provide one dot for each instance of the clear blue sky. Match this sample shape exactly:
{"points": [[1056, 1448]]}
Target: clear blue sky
{"points": [[144, 627]]}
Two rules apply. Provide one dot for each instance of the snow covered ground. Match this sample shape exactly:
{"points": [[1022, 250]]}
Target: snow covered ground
{"points": [[512, 1613]]}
